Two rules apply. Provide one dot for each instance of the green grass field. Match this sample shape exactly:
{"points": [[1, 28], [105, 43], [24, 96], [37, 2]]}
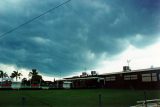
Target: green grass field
{"points": [[73, 98]]}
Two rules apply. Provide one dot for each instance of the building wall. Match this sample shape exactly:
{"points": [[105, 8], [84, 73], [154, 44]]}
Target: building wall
{"points": [[142, 79], [85, 83], [134, 80]]}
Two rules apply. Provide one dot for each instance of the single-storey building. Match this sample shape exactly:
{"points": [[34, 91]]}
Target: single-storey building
{"points": [[127, 79], [137, 79], [86, 82]]}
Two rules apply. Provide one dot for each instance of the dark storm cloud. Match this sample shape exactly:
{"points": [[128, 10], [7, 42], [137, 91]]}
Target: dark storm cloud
{"points": [[77, 35]]}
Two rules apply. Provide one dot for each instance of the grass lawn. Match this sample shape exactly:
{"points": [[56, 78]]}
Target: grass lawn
{"points": [[73, 98]]}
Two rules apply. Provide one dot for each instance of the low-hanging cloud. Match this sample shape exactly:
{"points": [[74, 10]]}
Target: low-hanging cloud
{"points": [[77, 35]]}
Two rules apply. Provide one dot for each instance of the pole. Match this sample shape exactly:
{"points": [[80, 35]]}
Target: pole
{"points": [[145, 99], [40, 84], [23, 99], [100, 100], [30, 84]]}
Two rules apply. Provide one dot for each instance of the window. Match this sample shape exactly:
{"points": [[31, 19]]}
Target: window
{"points": [[130, 77], [111, 78], [134, 77], [127, 77], [146, 77], [149, 77], [107, 78], [154, 77]]}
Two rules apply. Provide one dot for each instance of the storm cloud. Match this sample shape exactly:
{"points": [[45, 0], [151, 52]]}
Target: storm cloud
{"points": [[77, 35]]}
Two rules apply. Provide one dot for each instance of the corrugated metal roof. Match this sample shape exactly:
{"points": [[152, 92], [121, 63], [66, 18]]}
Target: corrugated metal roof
{"points": [[132, 71], [113, 73], [83, 78]]}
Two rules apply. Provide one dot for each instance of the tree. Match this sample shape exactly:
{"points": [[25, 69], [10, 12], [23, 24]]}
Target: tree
{"points": [[33, 73], [5, 75], [2, 75], [35, 77], [24, 81], [16, 75]]}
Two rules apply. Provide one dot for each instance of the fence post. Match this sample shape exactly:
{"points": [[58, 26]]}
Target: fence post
{"points": [[23, 101], [145, 99], [100, 100]]}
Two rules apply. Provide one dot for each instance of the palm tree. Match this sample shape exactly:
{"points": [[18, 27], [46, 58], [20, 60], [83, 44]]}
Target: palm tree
{"points": [[35, 77], [24, 81], [33, 73], [2, 75], [16, 75], [5, 75]]}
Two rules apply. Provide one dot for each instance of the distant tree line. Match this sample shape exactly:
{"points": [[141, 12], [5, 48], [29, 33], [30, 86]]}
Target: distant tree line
{"points": [[34, 77]]}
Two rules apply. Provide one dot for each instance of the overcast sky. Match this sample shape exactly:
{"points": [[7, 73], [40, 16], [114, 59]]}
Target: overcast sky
{"points": [[82, 34]]}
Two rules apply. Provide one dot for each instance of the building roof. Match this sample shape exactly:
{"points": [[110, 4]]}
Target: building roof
{"points": [[82, 78], [113, 73], [132, 71]]}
